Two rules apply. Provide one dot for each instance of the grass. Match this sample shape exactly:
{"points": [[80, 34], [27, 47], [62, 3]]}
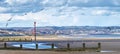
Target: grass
{"points": [[15, 39]]}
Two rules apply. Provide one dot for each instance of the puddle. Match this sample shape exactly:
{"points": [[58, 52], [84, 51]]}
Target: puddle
{"points": [[33, 46], [107, 51]]}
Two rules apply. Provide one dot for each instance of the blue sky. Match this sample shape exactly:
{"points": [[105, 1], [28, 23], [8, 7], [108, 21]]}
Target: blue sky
{"points": [[59, 13]]}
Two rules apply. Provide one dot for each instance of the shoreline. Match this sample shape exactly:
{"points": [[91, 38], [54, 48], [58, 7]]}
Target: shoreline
{"points": [[105, 46], [108, 46]]}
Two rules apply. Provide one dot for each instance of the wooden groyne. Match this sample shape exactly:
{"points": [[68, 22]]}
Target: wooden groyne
{"points": [[53, 47]]}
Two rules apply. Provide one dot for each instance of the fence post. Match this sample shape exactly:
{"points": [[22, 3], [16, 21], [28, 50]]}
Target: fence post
{"points": [[36, 46], [99, 47], [68, 46], [20, 46], [52, 46], [5, 45], [84, 46]]}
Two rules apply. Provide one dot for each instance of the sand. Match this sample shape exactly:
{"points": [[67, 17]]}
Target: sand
{"points": [[51, 52], [106, 45]]}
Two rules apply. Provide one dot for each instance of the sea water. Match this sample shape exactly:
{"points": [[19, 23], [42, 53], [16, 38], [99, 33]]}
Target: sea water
{"points": [[113, 36]]}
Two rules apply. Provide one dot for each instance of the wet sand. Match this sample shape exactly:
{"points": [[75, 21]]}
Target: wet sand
{"points": [[112, 45], [105, 46], [52, 52]]}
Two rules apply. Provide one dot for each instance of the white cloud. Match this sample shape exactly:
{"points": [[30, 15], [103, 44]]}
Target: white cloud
{"points": [[116, 2], [59, 12], [18, 6], [18, 2], [2, 9], [4, 17], [54, 3], [100, 12], [26, 6]]}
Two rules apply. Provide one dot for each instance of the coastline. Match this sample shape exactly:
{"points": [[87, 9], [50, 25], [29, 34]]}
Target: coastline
{"points": [[106, 45]]}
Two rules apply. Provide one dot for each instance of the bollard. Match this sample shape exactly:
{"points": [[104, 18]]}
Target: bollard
{"points": [[68, 46], [20, 46], [5, 45], [84, 46], [36, 46], [52, 45], [99, 47]]}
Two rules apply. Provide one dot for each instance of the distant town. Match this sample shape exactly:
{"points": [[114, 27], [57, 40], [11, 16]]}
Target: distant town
{"points": [[64, 30]]}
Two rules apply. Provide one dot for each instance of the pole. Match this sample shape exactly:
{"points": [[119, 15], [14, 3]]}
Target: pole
{"points": [[99, 47], [5, 45], [52, 45], [21, 46], [68, 46], [84, 46], [36, 46], [35, 30]]}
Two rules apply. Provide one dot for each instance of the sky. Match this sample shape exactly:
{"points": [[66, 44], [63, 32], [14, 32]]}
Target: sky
{"points": [[22, 13]]}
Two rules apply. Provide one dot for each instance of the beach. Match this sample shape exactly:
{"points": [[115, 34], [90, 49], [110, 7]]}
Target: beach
{"points": [[52, 52], [108, 45]]}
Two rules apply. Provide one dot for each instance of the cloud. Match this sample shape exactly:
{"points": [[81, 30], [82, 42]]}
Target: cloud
{"points": [[18, 6], [2, 9], [54, 12], [54, 3], [16, 2], [94, 3], [4, 17], [26, 6]]}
